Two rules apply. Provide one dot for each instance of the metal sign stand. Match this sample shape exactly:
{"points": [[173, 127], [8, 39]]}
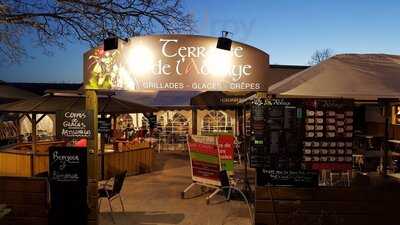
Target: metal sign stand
{"points": [[202, 184]]}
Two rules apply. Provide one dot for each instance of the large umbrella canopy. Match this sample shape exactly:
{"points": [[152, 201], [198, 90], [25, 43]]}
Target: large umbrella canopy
{"points": [[358, 76], [9, 93], [51, 103]]}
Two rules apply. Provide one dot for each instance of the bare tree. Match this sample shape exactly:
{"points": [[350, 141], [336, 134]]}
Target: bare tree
{"points": [[320, 55], [49, 23]]}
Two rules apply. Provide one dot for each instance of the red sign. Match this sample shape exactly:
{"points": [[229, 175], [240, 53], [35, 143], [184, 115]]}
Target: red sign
{"points": [[225, 146], [205, 170], [203, 148], [332, 166], [205, 163]]}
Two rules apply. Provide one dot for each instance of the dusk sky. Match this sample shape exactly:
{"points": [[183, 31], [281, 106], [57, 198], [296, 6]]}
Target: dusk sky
{"points": [[289, 31]]}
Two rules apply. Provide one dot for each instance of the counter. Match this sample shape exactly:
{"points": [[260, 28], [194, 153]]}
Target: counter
{"points": [[135, 160], [17, 160]]}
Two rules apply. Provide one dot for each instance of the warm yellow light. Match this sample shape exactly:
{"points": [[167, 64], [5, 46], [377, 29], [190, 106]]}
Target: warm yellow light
{"points": [[218, 62], [126, 80], [140, 60]]}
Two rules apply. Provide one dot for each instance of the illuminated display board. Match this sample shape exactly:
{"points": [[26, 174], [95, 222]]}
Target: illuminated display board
{"points": [[176, 62]]}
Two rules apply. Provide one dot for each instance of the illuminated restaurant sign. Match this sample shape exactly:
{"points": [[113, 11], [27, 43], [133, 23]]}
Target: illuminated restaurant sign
{"points": [[176, 62]]}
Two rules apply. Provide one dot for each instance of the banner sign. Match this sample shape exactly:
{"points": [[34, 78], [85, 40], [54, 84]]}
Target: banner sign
{"points": [[176, 62], [210, 155], [225, 147], [74, 124], [205, 163]]}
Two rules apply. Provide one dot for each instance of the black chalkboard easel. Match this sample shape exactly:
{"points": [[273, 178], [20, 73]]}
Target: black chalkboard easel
{"points": [[68, 186]]}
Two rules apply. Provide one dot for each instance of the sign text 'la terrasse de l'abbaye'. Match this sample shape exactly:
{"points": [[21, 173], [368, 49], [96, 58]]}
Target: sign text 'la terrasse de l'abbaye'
{"points": [[176, 62]]}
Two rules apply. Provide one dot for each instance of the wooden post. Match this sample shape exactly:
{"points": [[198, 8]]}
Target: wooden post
{"points": [[92, 159], [102, 146], [387, 114], [18, 125], [137, 120], [194, 121], [34, 140], [91, 104]]}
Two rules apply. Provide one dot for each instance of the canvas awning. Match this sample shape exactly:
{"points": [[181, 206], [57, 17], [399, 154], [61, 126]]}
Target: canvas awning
{"points": [[160, 99], [219, 99], [53, 102], [358, 76], [9, 93]]}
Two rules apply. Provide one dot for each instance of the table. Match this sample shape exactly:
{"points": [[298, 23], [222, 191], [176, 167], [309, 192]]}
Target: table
{"points": [[4, 210], [394, 175], [394, 141]]}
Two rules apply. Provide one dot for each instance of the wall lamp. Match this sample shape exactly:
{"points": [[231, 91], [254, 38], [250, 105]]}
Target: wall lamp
{"points": [[111, 42], [224, 42]]}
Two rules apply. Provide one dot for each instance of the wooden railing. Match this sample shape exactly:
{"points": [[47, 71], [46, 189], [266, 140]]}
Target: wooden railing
{"points": [[135, 159], [27, 197], [327, 205]]}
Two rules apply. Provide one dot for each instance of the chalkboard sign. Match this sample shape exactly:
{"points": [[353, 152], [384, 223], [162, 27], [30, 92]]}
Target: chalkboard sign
{"points": [[68, 186], [301, 178], [152, 120], [104, 125], [67, 164], [74, 124]]}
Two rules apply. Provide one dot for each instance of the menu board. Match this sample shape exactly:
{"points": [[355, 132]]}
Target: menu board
{"points": [[328, 142], [276, 142], [257, 149], [104, 125], [152, 118], [152, 121], [68, 186], [298, 178], [74, 124], [67, 164]]}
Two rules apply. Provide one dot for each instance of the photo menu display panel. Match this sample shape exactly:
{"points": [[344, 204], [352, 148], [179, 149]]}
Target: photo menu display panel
{"points": [[328, 142]]}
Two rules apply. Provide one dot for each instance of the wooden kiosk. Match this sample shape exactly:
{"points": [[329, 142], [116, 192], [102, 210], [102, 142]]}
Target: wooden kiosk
{"points": [[24, 166], [371, 196]]}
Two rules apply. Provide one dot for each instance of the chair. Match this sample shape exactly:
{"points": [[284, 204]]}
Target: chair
{"points": [[347, 174], [4, 210], [111, 192]]}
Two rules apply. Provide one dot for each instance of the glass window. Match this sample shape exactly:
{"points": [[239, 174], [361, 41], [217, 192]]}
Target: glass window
{"points": [[179, 123], [216, 122]]}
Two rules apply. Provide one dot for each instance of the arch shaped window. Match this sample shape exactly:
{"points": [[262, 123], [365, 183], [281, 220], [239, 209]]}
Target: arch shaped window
{"points": [[145, 122], [44, 129], [216, 122], [178, 124], [124, 121], [160, 121]]}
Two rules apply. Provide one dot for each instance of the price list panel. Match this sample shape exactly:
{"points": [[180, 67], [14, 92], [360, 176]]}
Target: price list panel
{"points": [[258, 150], [277, 129]]}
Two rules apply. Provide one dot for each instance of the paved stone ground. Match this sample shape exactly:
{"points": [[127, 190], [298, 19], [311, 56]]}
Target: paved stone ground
{"points": [[155, 198]]}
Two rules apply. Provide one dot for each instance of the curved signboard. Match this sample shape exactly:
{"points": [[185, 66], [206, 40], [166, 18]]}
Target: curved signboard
{"points": [[176, 62]]}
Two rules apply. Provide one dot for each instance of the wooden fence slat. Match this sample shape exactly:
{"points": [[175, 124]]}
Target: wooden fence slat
{"points": [[27, 198]]}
